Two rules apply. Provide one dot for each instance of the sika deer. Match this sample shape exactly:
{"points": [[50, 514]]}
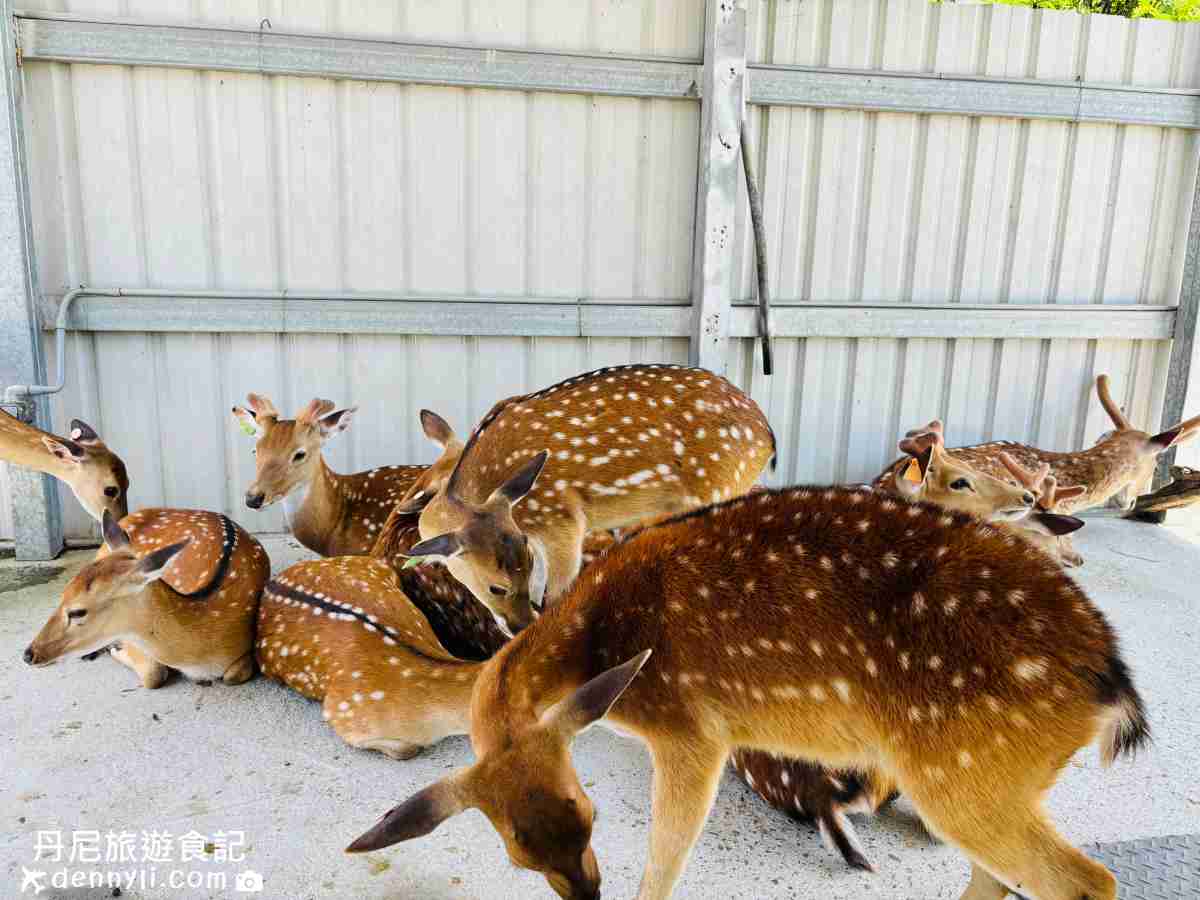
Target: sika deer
{"points": [[343, 632], [833, 624], [330, 514], [177, 588], [617, 445], [1120, 463], [94, 473]]}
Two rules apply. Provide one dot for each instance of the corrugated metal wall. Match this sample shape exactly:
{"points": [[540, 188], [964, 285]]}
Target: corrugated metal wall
{"points": [[167, 178], [896, 207]]}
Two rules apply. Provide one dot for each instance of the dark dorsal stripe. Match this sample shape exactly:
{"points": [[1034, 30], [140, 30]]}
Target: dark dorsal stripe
{"points": [[228, 542]]}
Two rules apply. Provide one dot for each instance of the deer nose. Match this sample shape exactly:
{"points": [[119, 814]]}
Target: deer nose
{"points": [[1027, 498], [28, 656], [255, 501]]}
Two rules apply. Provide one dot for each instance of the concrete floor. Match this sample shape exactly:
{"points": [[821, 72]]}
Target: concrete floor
{"points": [[81, 747]]}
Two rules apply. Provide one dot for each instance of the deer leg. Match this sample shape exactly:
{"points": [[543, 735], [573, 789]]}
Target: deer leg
{"points": [[242, 670], [686, 775], [1016, 846], [152, 673]]}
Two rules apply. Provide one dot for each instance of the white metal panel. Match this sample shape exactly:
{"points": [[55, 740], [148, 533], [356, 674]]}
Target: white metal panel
{"points": [[900, 207]]}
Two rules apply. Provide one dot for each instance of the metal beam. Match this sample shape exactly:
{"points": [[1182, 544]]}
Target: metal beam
{"points": [[36, 513], [89, 39], [723, 85], [1179, 371], [104, 41], [270, 312], [972, 96]]}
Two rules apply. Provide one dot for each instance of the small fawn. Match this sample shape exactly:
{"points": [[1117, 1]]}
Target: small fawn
{"points": [[343, 632], [330, 514], [1117, 466], [177, 588], [833, 624], [612, 447], [94, 473]]}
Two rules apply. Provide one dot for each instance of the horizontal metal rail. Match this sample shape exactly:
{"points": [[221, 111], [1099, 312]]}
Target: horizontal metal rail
{"points": [[82, 39], [222, 311]]}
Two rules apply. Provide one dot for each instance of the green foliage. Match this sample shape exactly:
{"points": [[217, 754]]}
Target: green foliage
{"points": [[1175, 10]]}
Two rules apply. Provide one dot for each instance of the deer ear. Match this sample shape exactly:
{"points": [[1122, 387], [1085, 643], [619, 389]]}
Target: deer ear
{"points": [[64, 451], [336, 422], [444, 546], [152, 565], [593, 701], [1165, 439], [83, 433], [415, 817], [522, 483], [114, 535], [910, 477], [248, 420], [436, 428]]}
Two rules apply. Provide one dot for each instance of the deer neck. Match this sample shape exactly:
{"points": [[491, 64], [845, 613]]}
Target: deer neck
{"points": [[314, 510], [22, 445], [168, 625]]}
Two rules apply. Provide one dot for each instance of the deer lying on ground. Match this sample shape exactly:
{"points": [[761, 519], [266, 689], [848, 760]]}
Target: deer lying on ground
{"points": [[1117, 466], [973, 669], [330, 514], [176, 588], [94, 473], [612, 447]]}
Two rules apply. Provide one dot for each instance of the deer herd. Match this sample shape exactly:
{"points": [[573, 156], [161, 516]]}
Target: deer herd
{"points": [[600, 550]]}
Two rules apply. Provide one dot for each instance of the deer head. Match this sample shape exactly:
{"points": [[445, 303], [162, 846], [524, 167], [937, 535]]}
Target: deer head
{"points": [[483, 547], [434, 478], [101, 604], [287, 451], [934, 475], [1046, 528], [528, 789], [94, 473], [1132, 455]]}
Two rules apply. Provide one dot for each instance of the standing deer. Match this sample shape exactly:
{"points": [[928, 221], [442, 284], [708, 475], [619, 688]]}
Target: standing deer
{"points": [[177, 588], [808, 791], [834, 624], [330, 514], [612, 447], [94, 473]]}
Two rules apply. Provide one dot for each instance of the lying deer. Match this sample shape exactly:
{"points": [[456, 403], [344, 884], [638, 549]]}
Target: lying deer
{"points": [[612, 447], [1119, 464], [330, 514], [973, 667], [177, 588], [94, 473], [386, 648]]}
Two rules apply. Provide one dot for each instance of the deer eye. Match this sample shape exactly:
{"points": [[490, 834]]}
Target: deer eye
{"points": [[76, 613], [111, 491], [497, 591], [298, 456], [960, 484]]}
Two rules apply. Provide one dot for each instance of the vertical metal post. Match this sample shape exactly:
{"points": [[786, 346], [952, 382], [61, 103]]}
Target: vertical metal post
{"points": [[722, 93], [1183, 343], [38, 517]]}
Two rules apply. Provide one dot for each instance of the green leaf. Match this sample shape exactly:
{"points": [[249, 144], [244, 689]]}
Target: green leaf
{"points": [[247, 427], [414, 561]]}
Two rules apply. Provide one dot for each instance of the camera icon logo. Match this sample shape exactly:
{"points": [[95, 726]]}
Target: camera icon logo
{"points": [[248, 882]]}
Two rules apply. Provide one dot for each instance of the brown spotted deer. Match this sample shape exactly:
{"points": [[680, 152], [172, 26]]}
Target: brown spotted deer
{"points": [[329, 513], [1116, 467], [972, 668], [612, 447], [341, 631], [94, 473], [809, 791], [176, 588]]}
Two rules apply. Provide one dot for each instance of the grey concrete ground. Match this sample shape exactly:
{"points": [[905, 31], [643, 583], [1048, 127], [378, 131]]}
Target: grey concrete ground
{"points": [[81, 747]]}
